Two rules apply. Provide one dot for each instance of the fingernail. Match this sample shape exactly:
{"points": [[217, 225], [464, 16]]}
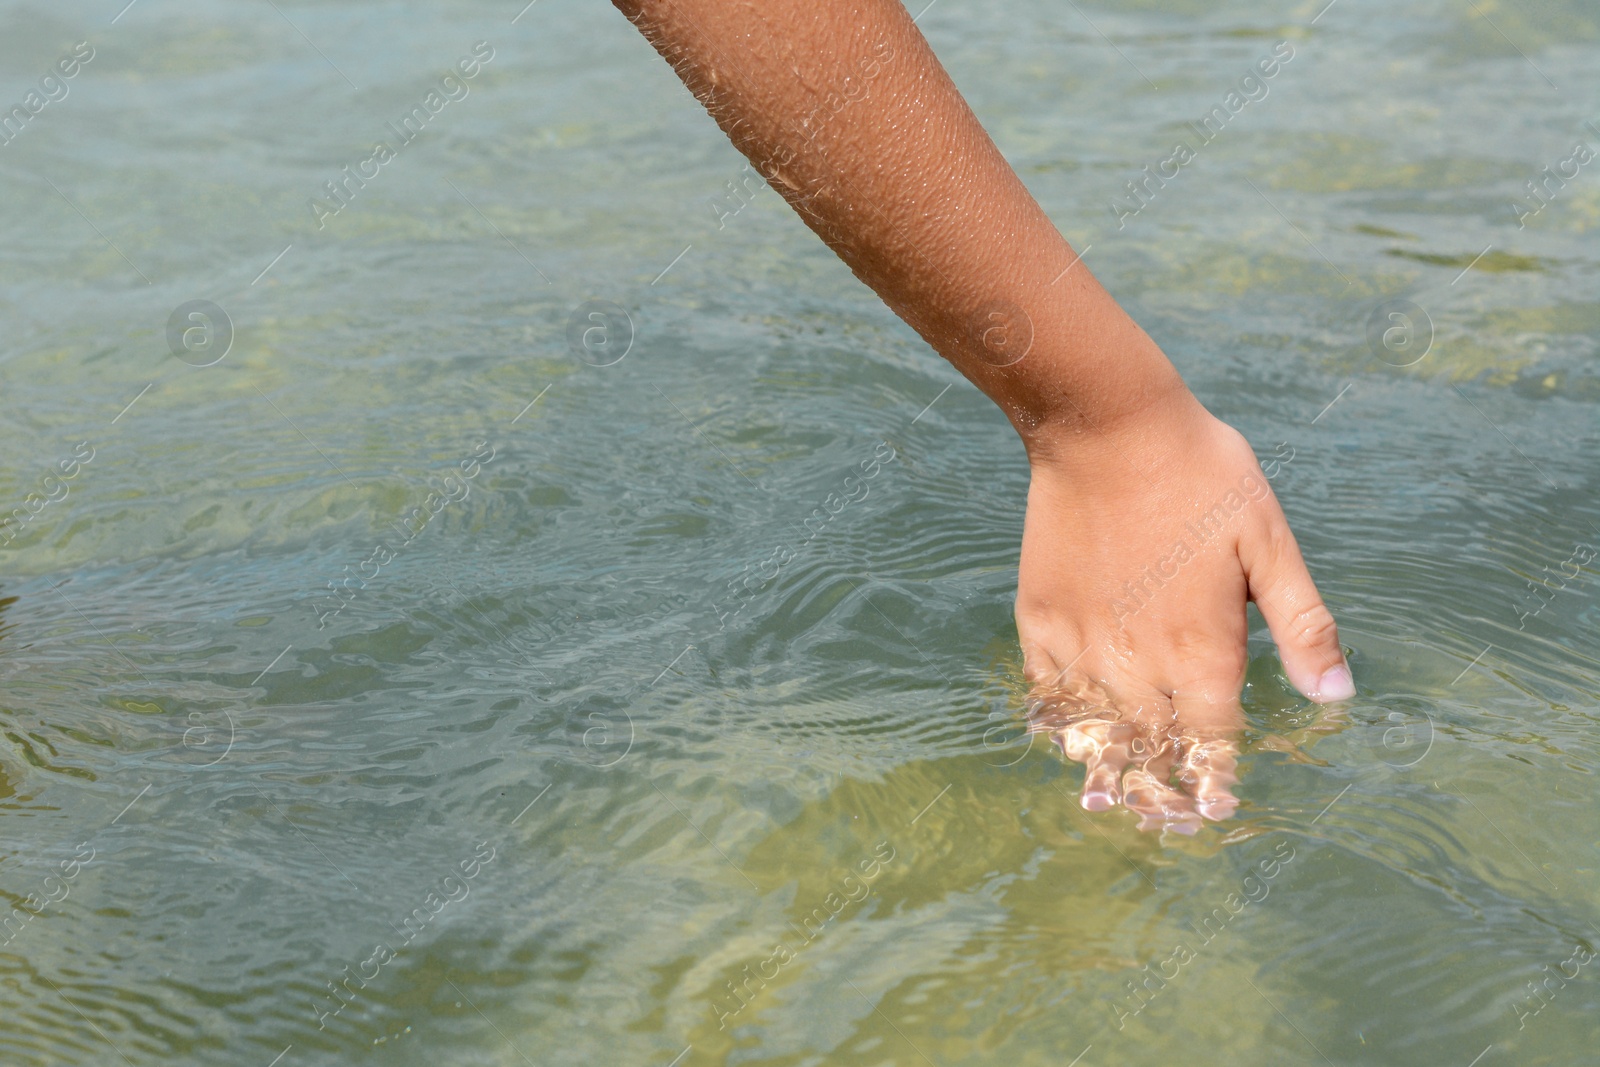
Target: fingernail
{"points": [[1336, 684]]}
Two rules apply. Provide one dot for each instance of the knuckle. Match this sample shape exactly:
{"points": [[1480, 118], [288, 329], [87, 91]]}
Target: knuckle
{"points": [[1314, 626], [1204, 662]]}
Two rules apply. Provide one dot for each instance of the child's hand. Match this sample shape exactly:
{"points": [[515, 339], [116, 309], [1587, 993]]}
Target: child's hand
{"points": [[1140, 548], [842, 106]]}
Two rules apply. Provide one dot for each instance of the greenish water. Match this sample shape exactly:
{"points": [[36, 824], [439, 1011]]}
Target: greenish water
{"points": [[577, 774]]}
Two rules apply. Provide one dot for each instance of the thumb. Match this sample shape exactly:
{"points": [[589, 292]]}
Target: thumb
{"points": [[1302, 626]]}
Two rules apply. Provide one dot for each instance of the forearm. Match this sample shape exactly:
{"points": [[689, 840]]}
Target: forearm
{"points": [[846, 112]]}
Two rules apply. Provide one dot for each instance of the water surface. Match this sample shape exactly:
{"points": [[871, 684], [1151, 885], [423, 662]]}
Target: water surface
{"points": [[575, 774]]}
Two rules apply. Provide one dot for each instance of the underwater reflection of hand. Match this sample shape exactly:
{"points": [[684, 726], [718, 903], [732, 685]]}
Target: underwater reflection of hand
{"points": [[1141, 547]]}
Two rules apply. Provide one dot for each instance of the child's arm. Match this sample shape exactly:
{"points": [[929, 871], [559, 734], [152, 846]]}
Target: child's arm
{"points": [[1149, 523]]}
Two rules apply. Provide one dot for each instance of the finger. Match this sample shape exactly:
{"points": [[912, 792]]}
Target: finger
{"points": [[1146, 722], [1049, 652], [1102, 747], [1209, 718], [1302, 626], [1055, 706], [1158, 805], [1038, 665], [1208, 770], [1102, 785], [1153, 751], [1207, 712]]}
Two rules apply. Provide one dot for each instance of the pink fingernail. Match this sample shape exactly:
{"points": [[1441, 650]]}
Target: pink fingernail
{"points": [[1096, 802], [1336, 684]]}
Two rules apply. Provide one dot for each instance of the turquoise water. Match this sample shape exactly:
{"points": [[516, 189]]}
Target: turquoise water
{"points": [[569, 768]]}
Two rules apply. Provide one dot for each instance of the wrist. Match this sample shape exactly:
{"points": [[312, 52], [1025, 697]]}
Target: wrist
{"points": [[1132, 416], [1059, 356]]}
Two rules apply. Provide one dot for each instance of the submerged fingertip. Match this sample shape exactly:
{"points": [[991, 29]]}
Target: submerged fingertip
{"points": [[1218, 808]]}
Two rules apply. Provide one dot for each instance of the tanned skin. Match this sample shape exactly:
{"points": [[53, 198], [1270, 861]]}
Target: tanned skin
{"points": [[1149, 523]]}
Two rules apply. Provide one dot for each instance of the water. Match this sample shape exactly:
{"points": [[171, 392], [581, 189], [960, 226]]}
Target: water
{"points": [[578, 751]]}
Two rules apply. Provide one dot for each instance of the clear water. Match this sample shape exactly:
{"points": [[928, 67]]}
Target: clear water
{"points": [[662, 758]]}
